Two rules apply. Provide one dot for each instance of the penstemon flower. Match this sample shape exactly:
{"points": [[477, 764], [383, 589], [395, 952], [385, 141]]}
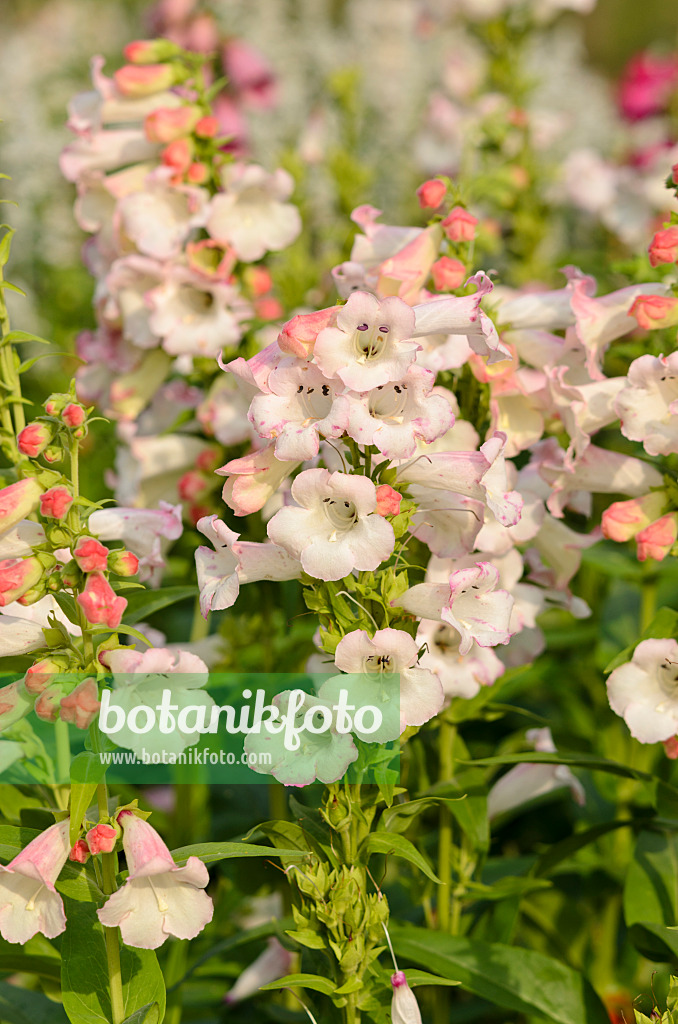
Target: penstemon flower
{"points": [[29, 902]]}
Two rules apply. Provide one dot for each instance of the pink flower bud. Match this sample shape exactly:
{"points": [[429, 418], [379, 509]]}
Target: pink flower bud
{"points": [[17, 575], [81, 706], [73, 415], [404, 1007], [100, 603], [135, 81], [91, 555], [671, 748], [654, 311], [80, 852], [207, 127], [268, 308], [192, 486], [431, 193], [388, 501], [208, 460], [448, 274], [40, 675], [258, 280], [460, 225], [197, 173], [123, 563], [624, 519], [47, 704], [55, 503], [657, 539], [15, 703], [674, 174], [149, 51], [299, 334], [53, 454], [53, 406], [178, 155], [664, 246], [34, 438], [102, 839], [17, 501], [169, 123]]}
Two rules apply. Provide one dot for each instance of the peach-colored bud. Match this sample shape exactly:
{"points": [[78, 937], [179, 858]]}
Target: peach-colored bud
{"points": [[448, 274], [192, 485], [143, 80], [123, 563], [17, 501], [298, 335], [47, 704], [18, 575], [653, 311], [664, 246], [81, 707], [102, 839], [34, 438], [150, 51], [431, 193], [73, 415], [100, 603], [55, 503], [197, 173], [80, 852], [90, 555], [624, 519], [207, 127], [166, 124], [671, 748], [269, 308], [40, 675], [258, 280], [388, 501], [460, 225], [657, 539], [178, 155]]}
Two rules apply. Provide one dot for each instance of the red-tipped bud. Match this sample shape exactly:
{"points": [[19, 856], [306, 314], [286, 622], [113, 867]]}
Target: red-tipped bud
{"points": [[123, 563], [102, 838], [47, 704], [91, 555], [81, 706], [207, 127], [55, 503], [460, 225], [388, 501], [39, 676], [80, 852], [170, 123], [431, 193], [34, 438], [143, 80], [73, 415], [448, 274], [17, 576], [150, 51]]}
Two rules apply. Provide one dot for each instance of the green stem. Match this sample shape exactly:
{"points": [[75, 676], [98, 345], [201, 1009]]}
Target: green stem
{"points": [[63, 751], [446, 738], [648, 596], [175, 968], [200, 626], [109, 863]]}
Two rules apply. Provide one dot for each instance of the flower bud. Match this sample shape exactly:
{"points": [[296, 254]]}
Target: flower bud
{"points": [[55, 503], [448, 274], [17, 501], [17, 576], [91, 555], [192, 486], [100, 603], [671, 748], [207, 127], [80, 852], [34, 438], [197, 173], [33, 594], [664, 246], [178, 155], [134, 81], [169, 123], [388, 501], [102, 838], [81, 706], [657, 539], [404, 1007], [624, 519], [54, 453], [123, 563], [55, 404], [39, 676], [47, 704], [431, 193], [15, 703], [73, 415], [654, 311], [460, 225], [71, 575], [150, 51]]}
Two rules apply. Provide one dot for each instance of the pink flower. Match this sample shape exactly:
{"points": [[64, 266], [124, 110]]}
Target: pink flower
{"points": [[334, 527], [655, 311], [370, 343], [81, 706], [253, 479], [388, 500], [431, 193], [404, 1006], [448, 274], [657, 539], [648, 405], [55, 503], [90, 555], [195, 316], [664, 246], [17, 501], [73, 415], [102, 839], [299, 334], [470, 603], [249, 73], [142, 530], [99, 602], [29, 903], [40, 674], [80, 852], [142, 80], [17, 576], [48, 703], [105, 151], [159, 898], [647, 85], [273, 963], [460, 225], [251, 214], [622, 520], [165, 124], [460, 675], [33, 439], [148, 51]]}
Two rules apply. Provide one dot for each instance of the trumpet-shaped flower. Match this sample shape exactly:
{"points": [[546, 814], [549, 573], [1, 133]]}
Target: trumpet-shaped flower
{"points": [[644, 691], [648, 404], [29, 903], [404, 1006], [159, 898], [335, 526], [252, 214]]}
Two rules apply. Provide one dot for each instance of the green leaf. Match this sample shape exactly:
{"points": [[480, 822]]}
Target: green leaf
{"points": [[312, 981], [6, 244], [651, 895], [12, 337], [210, 853], [148, 1014], [84, 971], [397, 846], [21, 1006], [664, 624], [68, 606], [400, 817], [566, 848], [516, 979], [28, 363], [127, 630], [141, 605], [40, 966], [82, 794], [471, 812], [419, 978]]}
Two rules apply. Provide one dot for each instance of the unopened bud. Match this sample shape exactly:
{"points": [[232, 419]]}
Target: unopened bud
{"points": [[123, 563], [34, 438]]}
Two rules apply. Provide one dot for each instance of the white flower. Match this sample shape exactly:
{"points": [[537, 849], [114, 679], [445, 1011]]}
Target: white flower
{"points": [[29, 902], [648, 404], [644, 691], [251, 214]]}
